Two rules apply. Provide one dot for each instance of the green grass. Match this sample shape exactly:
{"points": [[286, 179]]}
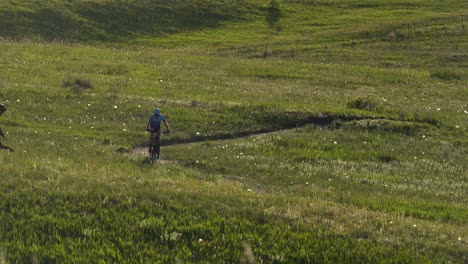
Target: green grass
{"points": [[344, 142]]}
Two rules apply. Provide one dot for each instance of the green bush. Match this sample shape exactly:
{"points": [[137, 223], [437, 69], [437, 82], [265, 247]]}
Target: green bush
{"points": [[367, 104]]}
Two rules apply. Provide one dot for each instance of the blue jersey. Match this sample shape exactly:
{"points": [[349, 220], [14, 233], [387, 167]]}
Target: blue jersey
{"points": [[155, 121]]}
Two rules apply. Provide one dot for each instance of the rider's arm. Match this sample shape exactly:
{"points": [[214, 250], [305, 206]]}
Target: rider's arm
{"points": [[166, 124], [148, 125]]}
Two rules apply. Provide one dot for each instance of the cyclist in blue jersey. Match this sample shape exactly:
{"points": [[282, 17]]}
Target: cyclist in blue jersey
{"points": [[154, 122], [154, 126]]}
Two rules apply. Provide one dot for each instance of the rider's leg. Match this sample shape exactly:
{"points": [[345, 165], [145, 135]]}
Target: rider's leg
{"points": [[5, 147], [152, 142], [158, 143]]}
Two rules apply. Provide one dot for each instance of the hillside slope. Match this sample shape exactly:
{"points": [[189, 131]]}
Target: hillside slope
{"points": [[105, 20], [98, 20], [332, 131]]}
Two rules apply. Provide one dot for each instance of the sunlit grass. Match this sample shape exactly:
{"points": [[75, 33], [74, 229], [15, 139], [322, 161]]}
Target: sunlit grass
{"points": [[344, 142]]}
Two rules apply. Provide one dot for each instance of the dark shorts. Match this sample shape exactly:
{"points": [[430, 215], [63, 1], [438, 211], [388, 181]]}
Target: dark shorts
{"points": [[152, 130]]}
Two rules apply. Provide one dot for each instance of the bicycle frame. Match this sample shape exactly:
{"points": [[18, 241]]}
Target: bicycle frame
{"points": [[155, 146]]}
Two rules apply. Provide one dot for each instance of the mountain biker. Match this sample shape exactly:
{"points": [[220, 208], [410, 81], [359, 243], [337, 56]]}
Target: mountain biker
{"points": [[154, 122], [154, 126]]}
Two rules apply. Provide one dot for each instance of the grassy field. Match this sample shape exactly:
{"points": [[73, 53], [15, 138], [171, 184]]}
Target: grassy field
{"points": [[302, 131]]}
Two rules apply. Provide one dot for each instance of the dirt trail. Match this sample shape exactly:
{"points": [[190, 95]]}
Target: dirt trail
{"points": [[143, 150], [323, 121]]}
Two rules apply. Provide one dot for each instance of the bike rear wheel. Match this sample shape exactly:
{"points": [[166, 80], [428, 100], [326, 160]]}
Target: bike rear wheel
{"points": [[155, 147]]}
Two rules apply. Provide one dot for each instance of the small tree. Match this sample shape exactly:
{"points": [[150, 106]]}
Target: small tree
{"points": [[272, 20], [274, 13]]}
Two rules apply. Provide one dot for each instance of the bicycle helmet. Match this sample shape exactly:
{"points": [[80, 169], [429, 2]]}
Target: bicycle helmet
{"points": [[157, 111]]}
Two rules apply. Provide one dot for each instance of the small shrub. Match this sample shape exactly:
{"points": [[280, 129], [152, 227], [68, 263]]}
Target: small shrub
{"points": [[76, 85], [367, 104], [402, 114]]}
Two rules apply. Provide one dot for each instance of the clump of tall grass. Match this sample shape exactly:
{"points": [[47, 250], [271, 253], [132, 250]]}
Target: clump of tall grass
{"points": [[3, 256], [446, 74], [367, 104], [387, 158], [405, 127], [77, 84]]}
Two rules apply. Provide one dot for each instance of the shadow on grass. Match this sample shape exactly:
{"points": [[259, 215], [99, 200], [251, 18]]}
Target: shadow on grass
{"points": [[111, 20]]}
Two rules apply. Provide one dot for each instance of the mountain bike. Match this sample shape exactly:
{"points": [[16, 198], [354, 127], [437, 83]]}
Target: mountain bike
{"points": [[155, 145]]}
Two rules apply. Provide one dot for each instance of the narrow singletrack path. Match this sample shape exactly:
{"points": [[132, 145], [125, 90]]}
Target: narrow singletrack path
{"points": [[327, 122]]}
